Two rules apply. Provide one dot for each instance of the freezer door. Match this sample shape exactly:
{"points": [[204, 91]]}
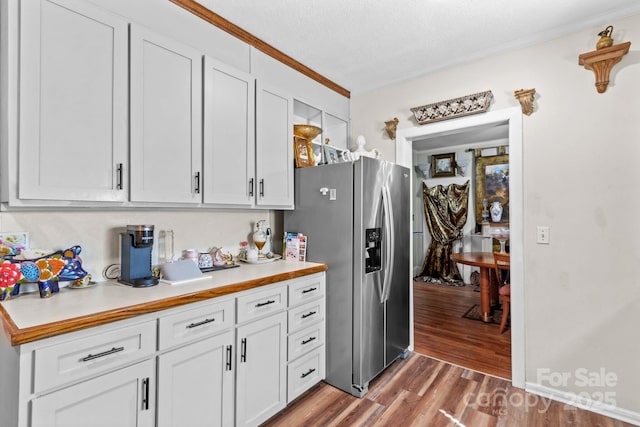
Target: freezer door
{"points": [[368, 305]]}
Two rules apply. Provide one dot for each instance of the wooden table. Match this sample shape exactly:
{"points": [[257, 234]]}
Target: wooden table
{"points": [[488, 282]]}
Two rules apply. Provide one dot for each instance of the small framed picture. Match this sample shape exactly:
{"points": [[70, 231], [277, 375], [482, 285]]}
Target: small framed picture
{"points": [[330, 154], [303, 151], [443, 165]]}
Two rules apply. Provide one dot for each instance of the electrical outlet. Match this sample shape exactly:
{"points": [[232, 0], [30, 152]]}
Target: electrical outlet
{"points": [[542, 235]]}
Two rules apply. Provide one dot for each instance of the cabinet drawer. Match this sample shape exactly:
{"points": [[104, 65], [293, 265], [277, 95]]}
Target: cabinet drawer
{"points": [[305, 315], [261, 303], [306, 290], [193, 323], [304, 373], [306, 340], [72, 360]]}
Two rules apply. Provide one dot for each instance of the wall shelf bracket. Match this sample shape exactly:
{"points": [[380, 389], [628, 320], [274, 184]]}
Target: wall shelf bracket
{"points": [[601, 62]]}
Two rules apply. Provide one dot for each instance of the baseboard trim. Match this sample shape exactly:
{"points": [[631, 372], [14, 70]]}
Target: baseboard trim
{"points": [[583, 403]]}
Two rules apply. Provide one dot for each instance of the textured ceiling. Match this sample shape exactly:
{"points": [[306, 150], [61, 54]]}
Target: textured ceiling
{"points": [[362, 45]]}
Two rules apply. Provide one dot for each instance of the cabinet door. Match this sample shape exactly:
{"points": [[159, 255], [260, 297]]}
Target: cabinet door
{"points": [[195, 384], [274, 148], [73, 102], [261, 369], [123, 398], [229, 135], [166, 117]]}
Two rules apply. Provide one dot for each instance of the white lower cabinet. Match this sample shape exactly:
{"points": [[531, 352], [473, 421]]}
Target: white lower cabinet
{"points": [[234, 360], [125, 397], [195, 384], [306, 335], [261, 384]]}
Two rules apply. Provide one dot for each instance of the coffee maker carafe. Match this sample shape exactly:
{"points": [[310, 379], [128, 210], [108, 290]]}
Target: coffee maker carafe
{"points": [[135, 254]]}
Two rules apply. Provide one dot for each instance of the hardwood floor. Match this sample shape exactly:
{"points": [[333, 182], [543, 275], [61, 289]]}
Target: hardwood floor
{"points": [[424, 391], [421, 391], [442, 333]]}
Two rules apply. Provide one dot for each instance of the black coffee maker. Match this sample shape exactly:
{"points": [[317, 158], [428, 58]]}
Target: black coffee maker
{"points": [[135, 256]]}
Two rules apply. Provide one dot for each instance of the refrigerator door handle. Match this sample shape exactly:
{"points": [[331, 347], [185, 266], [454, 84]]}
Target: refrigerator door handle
{"points": [[389, 243]]}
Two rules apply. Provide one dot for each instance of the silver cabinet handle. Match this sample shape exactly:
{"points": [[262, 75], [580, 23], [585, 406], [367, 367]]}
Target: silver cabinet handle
{"points": [[251, 187], [204, 322], [104, 353]]}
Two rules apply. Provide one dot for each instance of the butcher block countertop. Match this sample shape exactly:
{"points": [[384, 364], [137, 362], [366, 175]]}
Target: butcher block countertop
{"points": [[27, 317]]}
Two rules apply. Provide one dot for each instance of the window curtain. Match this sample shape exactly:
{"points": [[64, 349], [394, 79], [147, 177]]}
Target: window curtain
{"points": [[445, 210]]}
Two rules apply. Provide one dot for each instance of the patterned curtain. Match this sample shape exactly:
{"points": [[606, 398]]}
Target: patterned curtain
{"points": [[445, 210]]}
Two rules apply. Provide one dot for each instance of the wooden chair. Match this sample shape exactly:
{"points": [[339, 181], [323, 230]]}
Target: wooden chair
{"points": [[502, 263]]}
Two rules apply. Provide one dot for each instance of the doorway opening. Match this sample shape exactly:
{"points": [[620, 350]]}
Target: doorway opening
{"points": [[447, 134]]}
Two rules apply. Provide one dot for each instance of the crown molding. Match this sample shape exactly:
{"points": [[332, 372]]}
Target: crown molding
{"points": [[229, 27]]}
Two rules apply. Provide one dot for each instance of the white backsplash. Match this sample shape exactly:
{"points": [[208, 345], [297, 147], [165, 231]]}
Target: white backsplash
{"points": [[98, 232]]}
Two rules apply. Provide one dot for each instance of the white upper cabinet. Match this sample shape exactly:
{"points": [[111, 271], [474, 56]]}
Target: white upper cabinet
{"points": [[166, 119], [229, 135], [73, 102], [274, 148]]}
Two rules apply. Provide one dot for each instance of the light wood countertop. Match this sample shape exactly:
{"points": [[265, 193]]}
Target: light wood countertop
{"points": [[28, 317]]}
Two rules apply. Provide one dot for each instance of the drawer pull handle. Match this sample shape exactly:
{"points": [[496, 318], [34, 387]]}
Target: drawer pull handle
{"points": [[262, 304], [309, 372], [306, 291], [204, 322], [104, 353], [308, 340], [311, 313]]}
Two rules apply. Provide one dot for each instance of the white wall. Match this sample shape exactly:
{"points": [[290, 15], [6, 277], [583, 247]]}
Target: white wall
{"points": [[98, 231], [580, 157]]}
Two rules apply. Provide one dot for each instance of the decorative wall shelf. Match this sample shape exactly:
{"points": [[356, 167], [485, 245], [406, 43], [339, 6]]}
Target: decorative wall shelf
{"points": [[601, 62]]}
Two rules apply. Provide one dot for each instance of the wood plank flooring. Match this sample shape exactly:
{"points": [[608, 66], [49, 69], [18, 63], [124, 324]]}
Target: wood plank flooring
{"points": [[421, 391], [424, 391], [441, 332]]}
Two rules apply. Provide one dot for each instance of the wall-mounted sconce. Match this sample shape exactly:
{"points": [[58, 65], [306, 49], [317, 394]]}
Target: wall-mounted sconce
{"points": [[526, 97], [391, 127]]}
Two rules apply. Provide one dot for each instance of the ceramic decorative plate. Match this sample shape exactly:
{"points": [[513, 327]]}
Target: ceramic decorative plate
{"points": [[74, 285], [261, 260]]}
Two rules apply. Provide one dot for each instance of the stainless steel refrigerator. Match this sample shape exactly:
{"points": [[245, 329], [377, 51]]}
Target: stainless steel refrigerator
{"points": [[356, 217]]}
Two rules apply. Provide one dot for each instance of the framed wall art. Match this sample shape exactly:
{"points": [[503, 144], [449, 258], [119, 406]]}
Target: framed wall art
{"points": [[303, 151], [443, 165], [492, 184]]}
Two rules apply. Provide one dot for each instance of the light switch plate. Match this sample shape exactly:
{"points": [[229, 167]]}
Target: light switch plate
{"points": [[542, 235]]}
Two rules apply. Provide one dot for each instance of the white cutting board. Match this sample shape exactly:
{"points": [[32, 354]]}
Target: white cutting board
{"points": [[181, 271]]}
